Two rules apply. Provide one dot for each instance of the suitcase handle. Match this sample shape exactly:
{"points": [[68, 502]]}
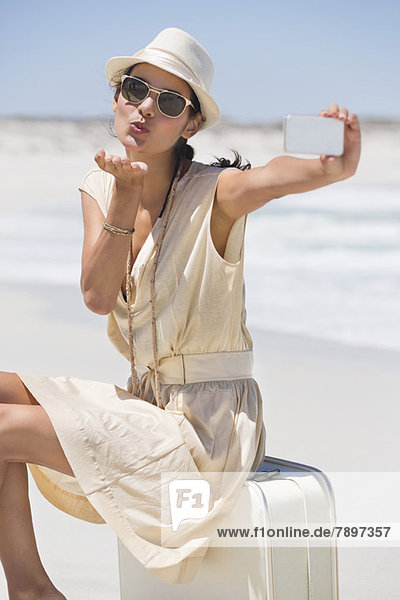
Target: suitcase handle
{"points": [[264, 475]]}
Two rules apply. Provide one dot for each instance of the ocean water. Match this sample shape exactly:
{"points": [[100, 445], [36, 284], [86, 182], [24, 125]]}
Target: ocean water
{"points": [[325, 263], [328, 265]]}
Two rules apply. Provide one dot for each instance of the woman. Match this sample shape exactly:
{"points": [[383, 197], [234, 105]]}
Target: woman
{"points": [[163, 258]]}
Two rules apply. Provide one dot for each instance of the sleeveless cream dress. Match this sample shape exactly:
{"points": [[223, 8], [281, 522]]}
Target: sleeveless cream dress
{"points": [[124, 449]]}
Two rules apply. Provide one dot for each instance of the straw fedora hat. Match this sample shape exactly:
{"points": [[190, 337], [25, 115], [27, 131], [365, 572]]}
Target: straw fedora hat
{"points": [[177, 52]]}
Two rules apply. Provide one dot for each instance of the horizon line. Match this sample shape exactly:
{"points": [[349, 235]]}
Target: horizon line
{"points": [[224, 120]]}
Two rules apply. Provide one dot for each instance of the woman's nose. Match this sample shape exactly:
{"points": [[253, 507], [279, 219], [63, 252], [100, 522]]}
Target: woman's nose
{"points": [[147, 106]]}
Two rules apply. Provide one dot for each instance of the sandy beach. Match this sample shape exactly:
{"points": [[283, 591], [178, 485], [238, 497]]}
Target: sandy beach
{"points": [[329, 405]]}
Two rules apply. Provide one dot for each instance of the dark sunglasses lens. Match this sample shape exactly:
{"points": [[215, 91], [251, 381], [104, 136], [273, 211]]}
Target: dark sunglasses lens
{"points": [[171, 105], [134, 90]]}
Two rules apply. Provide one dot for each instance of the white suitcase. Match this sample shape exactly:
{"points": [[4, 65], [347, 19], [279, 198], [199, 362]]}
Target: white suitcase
{"points": [[280, 491]]}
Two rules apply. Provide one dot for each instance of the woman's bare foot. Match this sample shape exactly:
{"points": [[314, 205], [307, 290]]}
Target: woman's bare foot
{"points": [[53, 595], [45, 593]]}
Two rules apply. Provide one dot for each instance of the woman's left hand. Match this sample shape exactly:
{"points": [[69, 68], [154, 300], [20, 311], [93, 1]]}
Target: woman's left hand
{"points": [[345, 165]]}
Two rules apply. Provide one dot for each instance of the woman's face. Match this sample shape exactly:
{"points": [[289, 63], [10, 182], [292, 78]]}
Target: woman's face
{"points": [[156, 133]]}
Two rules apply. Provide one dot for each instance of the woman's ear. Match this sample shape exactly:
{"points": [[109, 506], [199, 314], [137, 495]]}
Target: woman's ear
{"points": [[192, 126], [114, 104]]}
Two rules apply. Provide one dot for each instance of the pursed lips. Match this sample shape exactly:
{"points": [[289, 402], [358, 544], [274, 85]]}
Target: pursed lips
{"points": [[138, 128]]}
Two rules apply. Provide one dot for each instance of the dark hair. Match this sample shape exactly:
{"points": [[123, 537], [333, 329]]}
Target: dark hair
{"points": [[182, 147]]}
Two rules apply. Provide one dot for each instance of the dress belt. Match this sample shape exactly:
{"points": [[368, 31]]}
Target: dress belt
{"points": [[207, 366]]}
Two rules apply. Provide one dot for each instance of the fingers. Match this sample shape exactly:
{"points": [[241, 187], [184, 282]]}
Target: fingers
{"points": [[119, 166], [104, 159], [342, 114], [99, 158], [141, 166], [334, 111]]}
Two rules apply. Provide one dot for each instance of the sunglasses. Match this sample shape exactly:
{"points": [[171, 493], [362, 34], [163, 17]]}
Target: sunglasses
{"points": [[169, 103]]}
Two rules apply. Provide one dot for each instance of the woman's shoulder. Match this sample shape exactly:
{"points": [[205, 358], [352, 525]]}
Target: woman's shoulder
{"points": [[98, 184], [197, 187], [96, 177], [201, 169]]}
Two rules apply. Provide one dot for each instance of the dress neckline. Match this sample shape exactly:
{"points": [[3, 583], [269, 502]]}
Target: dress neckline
{"points": [[150, 239], [162, 210], [169, 189]]}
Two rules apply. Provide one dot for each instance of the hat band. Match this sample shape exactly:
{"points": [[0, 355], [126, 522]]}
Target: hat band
{"points": [[169, 60]]}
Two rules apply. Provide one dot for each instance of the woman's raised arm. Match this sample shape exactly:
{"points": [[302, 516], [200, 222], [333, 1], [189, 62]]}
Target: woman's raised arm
{"points": [[241, 192], [104, 254]]}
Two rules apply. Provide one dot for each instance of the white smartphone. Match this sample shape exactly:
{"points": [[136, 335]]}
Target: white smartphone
{"points": [[309, 134]]}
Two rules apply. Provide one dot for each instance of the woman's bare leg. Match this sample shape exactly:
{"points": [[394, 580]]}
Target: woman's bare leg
{"points": [[25, 574], [18, 549]]}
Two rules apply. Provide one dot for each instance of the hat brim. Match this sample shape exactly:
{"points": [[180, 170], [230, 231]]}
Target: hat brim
{"points": [[116, 65]]}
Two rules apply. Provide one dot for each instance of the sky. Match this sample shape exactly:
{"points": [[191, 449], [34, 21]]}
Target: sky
{"points": [[271, 58]]}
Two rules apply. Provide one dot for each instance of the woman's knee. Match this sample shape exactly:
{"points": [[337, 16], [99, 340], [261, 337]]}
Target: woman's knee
{"points": [[11, 425], [27, 435], [14, 391], [6, 428]]}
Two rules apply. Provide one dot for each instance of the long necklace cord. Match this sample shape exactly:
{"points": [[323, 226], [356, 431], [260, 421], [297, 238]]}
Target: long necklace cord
{"points": [[134, 377], [128, 288]]}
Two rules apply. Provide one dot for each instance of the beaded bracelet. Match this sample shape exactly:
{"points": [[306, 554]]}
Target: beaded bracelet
{"points": [[114, 229]]}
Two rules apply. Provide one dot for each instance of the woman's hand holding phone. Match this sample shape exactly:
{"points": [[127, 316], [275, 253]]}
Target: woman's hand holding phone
{"points": [[337, 144], [345, 165]]}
